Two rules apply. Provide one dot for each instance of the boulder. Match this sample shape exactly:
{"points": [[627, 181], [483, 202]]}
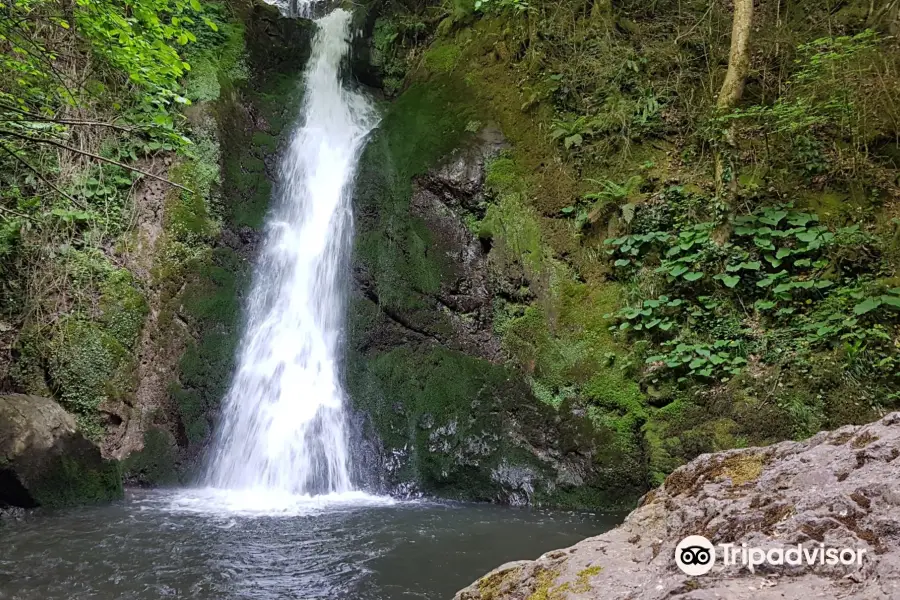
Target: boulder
{"points": [[46, 461], [840, 489]]}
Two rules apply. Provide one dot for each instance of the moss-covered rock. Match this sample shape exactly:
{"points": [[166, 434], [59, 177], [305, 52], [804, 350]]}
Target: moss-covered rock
{"points": [[46, 461], [156, 463], [446, 254]]}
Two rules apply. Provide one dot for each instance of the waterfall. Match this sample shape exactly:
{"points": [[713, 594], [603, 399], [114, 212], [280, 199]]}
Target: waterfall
{"points": [[283, 427]]}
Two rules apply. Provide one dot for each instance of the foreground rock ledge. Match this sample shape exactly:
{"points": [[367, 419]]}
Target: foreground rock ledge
{"points": [[45, 461], [840, 488]]}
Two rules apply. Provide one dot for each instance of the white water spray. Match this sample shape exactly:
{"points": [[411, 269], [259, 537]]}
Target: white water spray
{"points": [[283, 424]]}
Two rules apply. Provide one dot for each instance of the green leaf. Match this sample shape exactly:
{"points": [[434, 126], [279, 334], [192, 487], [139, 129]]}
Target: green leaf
{"points": [[573, 140], [781, 288], [622, 262], [801, 219], [783, 252], [867, 305], [694, 275], [764, 304], [893, 301], [773, 217], [730, 280], [678, 270]]}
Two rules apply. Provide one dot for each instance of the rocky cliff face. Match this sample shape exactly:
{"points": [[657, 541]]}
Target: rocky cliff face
{"points": [[838, 488], [46, 461], [426, 366]]}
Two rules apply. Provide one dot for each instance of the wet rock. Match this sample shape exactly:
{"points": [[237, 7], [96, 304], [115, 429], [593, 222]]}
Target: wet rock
{"points": [[46, 461], [838, 488]]}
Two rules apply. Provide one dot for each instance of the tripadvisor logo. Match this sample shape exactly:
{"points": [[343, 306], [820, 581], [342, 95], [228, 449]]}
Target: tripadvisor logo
{"points": [[696, 555]]}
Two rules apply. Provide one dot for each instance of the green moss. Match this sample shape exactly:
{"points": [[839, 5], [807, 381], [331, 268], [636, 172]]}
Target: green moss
{"points": [[265, 141], [87, 366], [512, 224], [503, 176], [155, 463], [545, 588], [203, 82], [211, 302], [188, 215], [442, 58], [422, 126], [443, 406], [71, 482], [123, 306], [493, 587], [582, 583], [28, 371]]}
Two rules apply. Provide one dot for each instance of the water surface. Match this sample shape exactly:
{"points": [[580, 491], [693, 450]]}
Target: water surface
{"points": [[167, 545]]}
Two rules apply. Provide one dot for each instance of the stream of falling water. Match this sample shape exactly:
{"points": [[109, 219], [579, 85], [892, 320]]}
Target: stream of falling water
{"points": [[283, 427]]}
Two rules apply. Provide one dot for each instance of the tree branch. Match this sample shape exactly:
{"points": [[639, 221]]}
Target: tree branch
{"points": [[94, 156], [16, 214], [38, 118], [42, 178]]}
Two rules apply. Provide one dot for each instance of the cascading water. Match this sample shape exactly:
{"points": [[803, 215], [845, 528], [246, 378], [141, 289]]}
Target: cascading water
{"points": [[283, 423]]}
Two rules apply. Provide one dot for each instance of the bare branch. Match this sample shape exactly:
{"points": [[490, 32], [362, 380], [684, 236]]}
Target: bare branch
{"points": [[42, 178], [38, 118], [95, 157], [16, 214]]}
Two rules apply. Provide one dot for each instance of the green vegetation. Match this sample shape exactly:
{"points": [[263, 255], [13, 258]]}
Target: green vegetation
{"points": [[70, 482], [155, 463], [693, 272], [90, 101], [102, 263], [422, 125]]}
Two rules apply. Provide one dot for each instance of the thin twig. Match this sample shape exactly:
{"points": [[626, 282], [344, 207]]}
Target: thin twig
{"points": [[38, 118], [94, 156], [72, 122], [42, 178], [15, 213]]}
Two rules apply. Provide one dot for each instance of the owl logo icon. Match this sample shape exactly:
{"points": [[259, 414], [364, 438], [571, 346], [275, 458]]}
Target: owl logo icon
{"points": [[695, 555]]}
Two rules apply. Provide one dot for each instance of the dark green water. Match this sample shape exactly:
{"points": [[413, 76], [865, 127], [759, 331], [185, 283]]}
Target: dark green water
{"points": [[183, 545]]}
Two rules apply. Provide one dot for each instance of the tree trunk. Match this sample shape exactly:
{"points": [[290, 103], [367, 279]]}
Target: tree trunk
{"points": [[733, 86], [739, 56]]}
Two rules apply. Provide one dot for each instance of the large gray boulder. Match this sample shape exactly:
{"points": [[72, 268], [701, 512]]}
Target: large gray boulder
{"points": [[46, 461], [839, 488]]}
